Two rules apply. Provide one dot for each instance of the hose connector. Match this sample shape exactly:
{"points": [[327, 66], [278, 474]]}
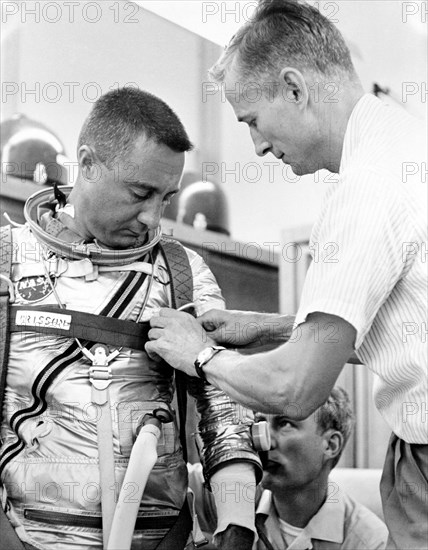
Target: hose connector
{"points": [[155, 418]]}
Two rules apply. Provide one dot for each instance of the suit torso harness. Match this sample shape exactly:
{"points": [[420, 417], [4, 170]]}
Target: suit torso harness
{"points": [[109, 331]]}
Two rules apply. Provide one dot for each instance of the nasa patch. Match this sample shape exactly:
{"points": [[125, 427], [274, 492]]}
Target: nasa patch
{"points": [[30, 290]]}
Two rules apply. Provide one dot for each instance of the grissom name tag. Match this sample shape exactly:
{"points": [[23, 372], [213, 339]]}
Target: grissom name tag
{"points": [[43, 319]]}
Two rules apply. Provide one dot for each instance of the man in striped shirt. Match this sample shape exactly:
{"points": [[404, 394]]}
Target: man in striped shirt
{"points": [[371, 297]]}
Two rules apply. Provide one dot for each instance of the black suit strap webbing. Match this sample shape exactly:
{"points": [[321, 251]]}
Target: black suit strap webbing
{"points": [[5, 270], [181, 278], [178, 534], [9, 537], [82, 325]]}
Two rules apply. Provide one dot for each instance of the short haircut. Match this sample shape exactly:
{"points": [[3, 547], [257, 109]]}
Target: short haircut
{"points": [[286, 32], [336, 414], [121, 116]]}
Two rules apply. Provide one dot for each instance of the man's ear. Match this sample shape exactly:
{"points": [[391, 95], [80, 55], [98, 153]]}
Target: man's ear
{"points": [[87, 162], [295, 88], [333, 443]]}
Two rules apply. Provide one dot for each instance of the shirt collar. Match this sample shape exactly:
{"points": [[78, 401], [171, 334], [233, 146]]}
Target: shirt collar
{"points": [[265, 503], [327, 524], [273, 530], [361, 115]]}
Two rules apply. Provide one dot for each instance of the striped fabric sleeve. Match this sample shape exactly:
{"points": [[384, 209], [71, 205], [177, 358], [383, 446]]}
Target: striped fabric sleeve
{"points": [[357, 251]]}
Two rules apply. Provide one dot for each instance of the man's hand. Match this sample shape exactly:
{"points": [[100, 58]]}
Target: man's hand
{"points": [[246, 328], [178, 338]]}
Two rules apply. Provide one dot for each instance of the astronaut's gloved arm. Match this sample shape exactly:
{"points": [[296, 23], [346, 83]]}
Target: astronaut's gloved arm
{"points": [[234, 490], [225, 426], [224, 429], [231, 465]]}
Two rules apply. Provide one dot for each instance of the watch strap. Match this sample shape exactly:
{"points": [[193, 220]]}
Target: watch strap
{"points": [[199, 364]]}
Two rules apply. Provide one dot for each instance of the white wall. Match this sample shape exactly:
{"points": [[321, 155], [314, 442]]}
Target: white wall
{"points": [[389, 45], [153, 53]]}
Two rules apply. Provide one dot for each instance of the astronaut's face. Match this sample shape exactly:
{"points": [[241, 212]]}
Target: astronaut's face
{"points": [[125, 202]]}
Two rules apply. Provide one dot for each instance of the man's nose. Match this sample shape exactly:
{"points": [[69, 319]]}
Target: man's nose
{"points": [[273, 443], [261, 145], [150, 216]]}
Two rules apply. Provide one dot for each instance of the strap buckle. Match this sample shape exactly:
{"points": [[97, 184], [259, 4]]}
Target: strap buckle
{"points": [[9, 290], [100, 376], [100, 371]]}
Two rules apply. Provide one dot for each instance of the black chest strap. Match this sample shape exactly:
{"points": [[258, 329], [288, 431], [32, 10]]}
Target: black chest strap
{"points": [[9, 537], [179, 270], [51, 319], [180, 275], [5, 298]]}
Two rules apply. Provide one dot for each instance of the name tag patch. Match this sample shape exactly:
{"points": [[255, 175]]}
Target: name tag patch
{"points": [[44, 319]]}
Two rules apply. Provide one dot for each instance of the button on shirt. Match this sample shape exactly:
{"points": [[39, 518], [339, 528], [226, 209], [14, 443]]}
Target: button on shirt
{"points": [[371, 263], [340, 524]]}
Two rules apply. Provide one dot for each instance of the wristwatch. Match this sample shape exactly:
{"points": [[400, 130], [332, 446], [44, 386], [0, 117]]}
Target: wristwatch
{"points": [[204, 357]]}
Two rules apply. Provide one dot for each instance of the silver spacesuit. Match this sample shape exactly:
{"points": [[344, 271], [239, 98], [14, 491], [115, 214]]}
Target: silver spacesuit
{"points": [[49, 456]]}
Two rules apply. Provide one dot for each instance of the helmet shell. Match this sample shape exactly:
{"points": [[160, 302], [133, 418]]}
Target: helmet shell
{"points": [[29, 150], [203, 205]]}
